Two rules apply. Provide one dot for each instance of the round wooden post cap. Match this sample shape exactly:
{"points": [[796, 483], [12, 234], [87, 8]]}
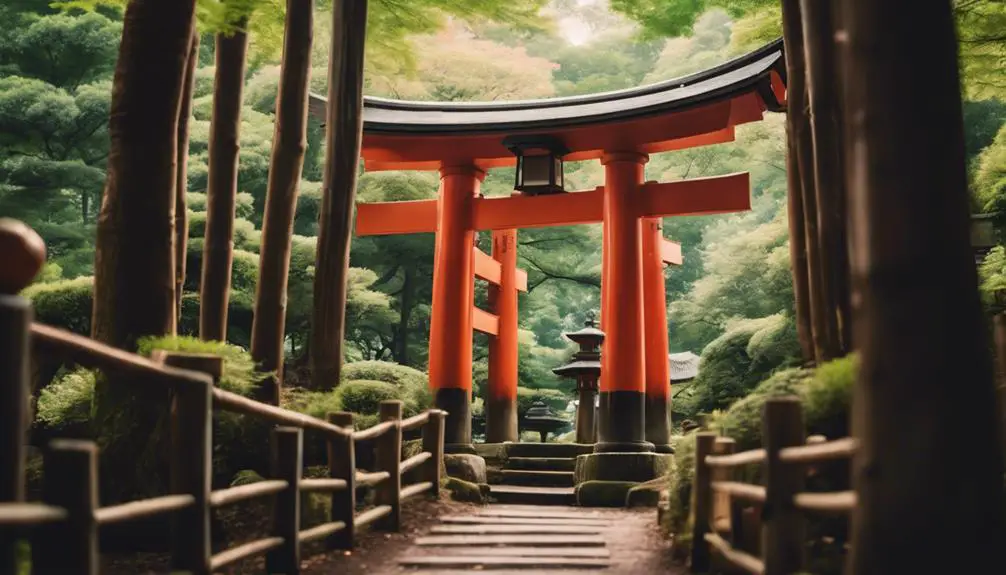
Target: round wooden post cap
{"points": [[22, 252]]}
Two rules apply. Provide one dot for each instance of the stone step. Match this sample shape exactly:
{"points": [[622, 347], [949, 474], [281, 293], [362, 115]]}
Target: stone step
{"points": [[494, 562], [542, 463], [513, 540], [532, 520], [526, 529], [550, 450], [601, 552], [535, 478], [539, 512], [532, 495]]}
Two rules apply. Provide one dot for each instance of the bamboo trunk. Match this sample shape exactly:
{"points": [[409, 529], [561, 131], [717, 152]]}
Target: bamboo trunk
{"points": [[221, 191], [182, 177], [344, 124], [927, 503], [795, 128], [823, 83], [289, 145]]}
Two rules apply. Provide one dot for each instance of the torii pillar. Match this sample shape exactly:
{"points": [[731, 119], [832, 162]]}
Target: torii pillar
{"points": [[656, 252], [450, 360], [501, 397], [623, 380]]}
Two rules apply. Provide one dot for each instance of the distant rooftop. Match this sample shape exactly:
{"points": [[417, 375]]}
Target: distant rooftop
{"points": [[684, 366]]}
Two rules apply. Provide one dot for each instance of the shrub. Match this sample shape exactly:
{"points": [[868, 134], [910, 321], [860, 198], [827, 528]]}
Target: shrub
{"points": [[66, 402], [827, 397], [364, 396], [314, 403], [63, 303], [246, 237], [743, 420], [414, 383], [239, 373], [197, 224], [244, 272], [680, 490]]}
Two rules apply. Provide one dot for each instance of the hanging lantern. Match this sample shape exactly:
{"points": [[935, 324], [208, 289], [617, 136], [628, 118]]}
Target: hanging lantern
{"points": [[539, 163]]}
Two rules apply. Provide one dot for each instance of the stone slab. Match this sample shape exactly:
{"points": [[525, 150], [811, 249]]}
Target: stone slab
{"points": [[603, 493], [533, 495], [491, 561], [536, 520], [535, 478], [533, 551], [525, 529], [517, 540]]}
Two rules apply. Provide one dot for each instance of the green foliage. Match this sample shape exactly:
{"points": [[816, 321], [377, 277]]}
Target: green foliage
{"points": [[314, 403], [239, 372], [66, 402], [63, 303], [680, 489], [364, 396], [413, 384], [743, 420], [827, 397]]}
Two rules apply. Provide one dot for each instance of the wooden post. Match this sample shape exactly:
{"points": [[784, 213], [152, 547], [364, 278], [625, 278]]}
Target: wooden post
{"points": [[23, 255], [389, 458], [433, 441], [192, 467], [722, 520], [784, 525], [924, 503], [287, 460], [702, 501], [342, 465], [71, 481], [999, 323]]}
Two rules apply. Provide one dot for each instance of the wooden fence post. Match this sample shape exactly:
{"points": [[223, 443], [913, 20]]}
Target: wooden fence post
{"points": [[287, 461], [70, 481], [702, 501], [721, 501], [192, 464], [783, 531], [342, 465], [433, 441], [15, 319], [389, 458], [999, 323]]}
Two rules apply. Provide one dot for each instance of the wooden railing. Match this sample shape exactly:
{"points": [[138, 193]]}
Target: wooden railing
{"points": [[719, 527], [64, 526]]}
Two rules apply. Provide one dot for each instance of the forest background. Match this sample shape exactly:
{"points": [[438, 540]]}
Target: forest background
{"points": [[731, 301]]}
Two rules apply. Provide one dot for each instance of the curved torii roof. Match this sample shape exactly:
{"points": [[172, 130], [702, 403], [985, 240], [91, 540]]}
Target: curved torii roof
{"points": [[697, 109]]}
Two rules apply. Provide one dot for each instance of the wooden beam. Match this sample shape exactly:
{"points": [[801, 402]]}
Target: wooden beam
{"points": [[698, 196], [485, 322], [521, 280], [670, 253], [392, 218], [486, 268]]}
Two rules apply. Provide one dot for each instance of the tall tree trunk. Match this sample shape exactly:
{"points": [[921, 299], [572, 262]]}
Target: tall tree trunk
{"points": [[182, 177], [407, 304], [926, 503], [795, 119], [222, 188], [134, 253], [289, 145], [85, 207], [824, 90], [344, 124]]}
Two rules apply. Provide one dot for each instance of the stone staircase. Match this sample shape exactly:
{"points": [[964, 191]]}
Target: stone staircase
{"points": [[537, 474]]}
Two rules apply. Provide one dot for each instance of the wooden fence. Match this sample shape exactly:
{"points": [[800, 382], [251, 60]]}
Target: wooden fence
{"points": [[720, 527], [64, 527]]}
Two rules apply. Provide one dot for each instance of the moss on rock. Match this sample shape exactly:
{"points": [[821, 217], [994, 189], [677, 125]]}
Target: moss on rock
{"points": [[466, 491], [603, 493]]}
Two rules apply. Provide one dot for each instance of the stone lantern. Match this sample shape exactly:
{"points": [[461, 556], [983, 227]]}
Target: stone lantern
{"points": [[586, 368]]}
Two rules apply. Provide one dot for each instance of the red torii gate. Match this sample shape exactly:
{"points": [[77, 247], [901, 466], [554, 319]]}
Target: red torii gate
{"points": [[462, 140]]}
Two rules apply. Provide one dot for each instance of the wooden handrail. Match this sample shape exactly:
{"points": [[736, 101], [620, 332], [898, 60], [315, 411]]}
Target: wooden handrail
{"points": [[229, 401], [745, 561], [742, 458], [374, 432], [370, 479], [322, 484], [239, 493], [96, 355], [837, 449], [415, 461], [416, 421], [29, 514], [244, 551], [143, 508], [835, 502], [739, 490]]}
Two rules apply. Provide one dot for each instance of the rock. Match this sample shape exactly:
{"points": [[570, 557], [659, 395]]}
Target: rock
{"points": [[471, 468], [467, 491], [642, 496]]}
